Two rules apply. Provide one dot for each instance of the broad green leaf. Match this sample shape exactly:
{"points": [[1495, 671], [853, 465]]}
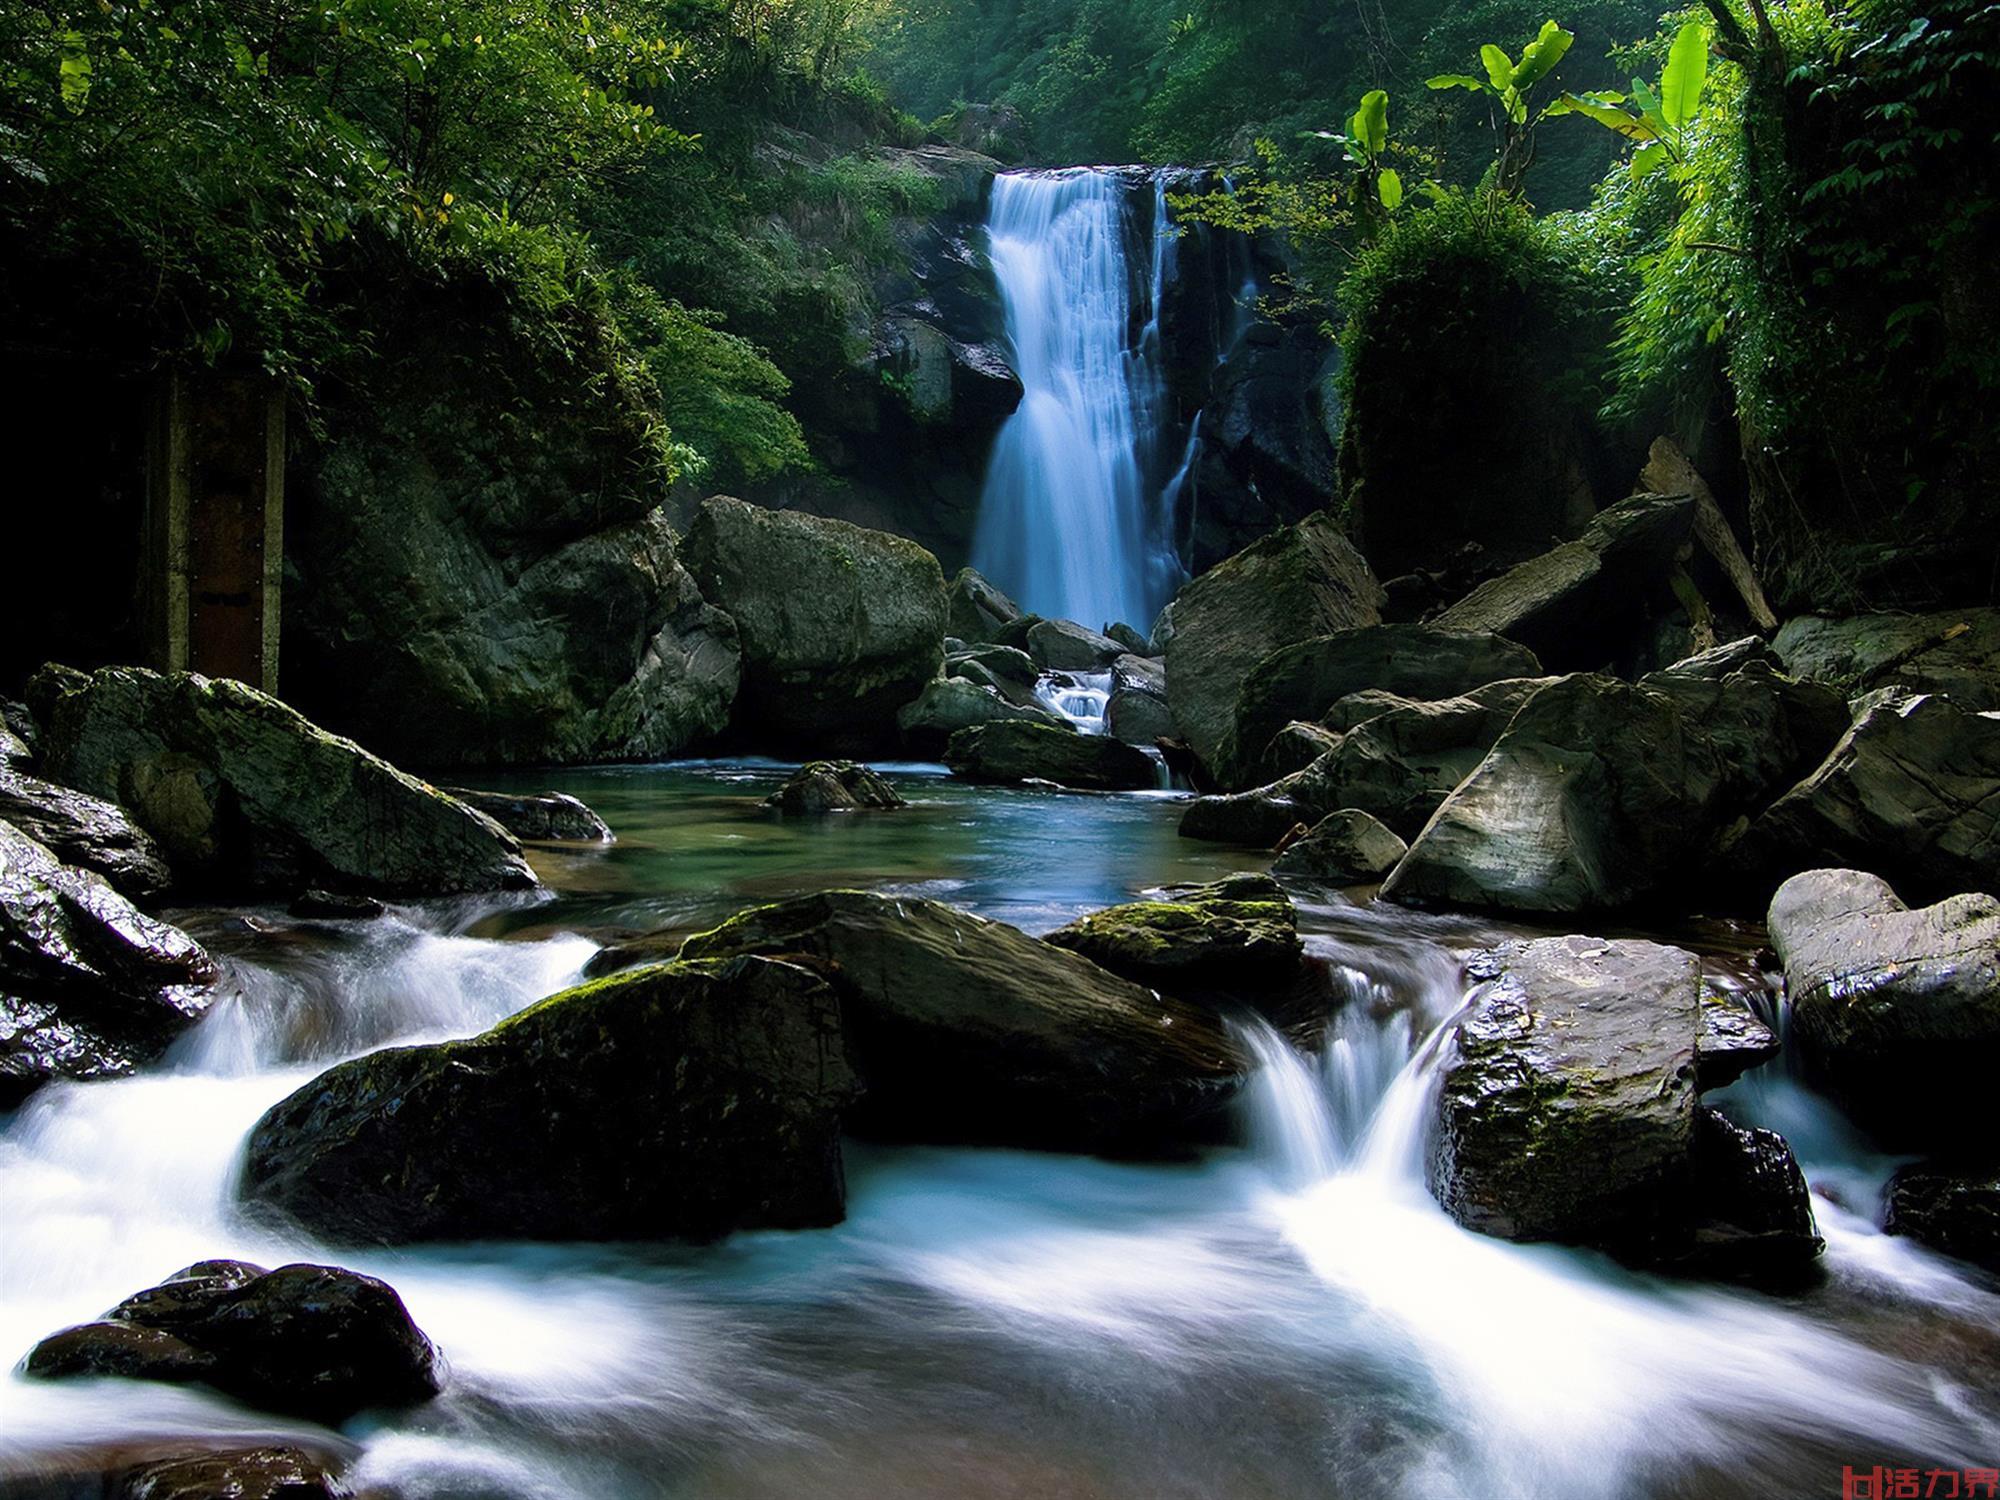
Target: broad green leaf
{"points": [[1499, 66], [1642, 96], [1457, 81], [1371, 122], [74, 74], [1648, 159], [1389, 188], [1542, 54], [1610, 117], [1686, 71]]}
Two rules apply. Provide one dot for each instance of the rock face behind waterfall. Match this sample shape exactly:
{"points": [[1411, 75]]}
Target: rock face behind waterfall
{"points": [[968, 1030], [1300, 582], [840, 626], [248, 797], [680, 1101]]}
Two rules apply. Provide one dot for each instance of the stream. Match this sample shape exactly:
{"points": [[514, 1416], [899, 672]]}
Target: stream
{"points": [[1290, 1317]]}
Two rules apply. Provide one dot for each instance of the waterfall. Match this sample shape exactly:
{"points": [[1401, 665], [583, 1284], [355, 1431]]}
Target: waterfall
{"points": [[1071, 522]]}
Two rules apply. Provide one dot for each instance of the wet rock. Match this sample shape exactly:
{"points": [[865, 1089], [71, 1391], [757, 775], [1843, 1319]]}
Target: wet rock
{"points": [[248, 797], [679, 1101], [307, 1340], [1347, 847], [1566, 1108], [1577, 605], [975, 609], [1732, 1040], [1007, 753], [1764, 729], [90, 986], [825, 786], [1721, 661], [1137, 711], [1952, 1208], [1907, 792], [1236, 938], [950, 704], [1301, 581], [1130, 639], [1007, 668], [1899, 1009], [840, 626], [1064, 646], [1750, 1212], [1297, 746], [1956, 652], [269, 1472], [83, 830], [1256, 819], [542, 816], [968, 1030], [1302, 681], [17, 738], [336, 906]]}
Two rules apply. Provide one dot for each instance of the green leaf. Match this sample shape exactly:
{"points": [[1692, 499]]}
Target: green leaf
{"points": [[1389, 188], [1540, 55], [1499, 66], [1642, 95], [1610, 117], [1648, 159], [1686, 72], [1457, 81], [1370, 125], [74, 74]]}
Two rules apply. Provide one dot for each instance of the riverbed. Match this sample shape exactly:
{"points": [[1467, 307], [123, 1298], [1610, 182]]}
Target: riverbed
{"points": [[1292, 1316]]}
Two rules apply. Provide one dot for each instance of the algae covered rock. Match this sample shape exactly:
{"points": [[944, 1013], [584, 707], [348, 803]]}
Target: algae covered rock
{"points": [[950, 704], [1235, 937], [968, 1030], [1017, 751], [678, 1101], [824, 786]]}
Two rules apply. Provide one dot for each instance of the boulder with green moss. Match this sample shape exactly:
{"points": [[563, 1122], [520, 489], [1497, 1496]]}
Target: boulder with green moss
{"points": [[964, 1029], [825, 786], [1235, 938], [678, 1101], [840, 626], [1011, 752], [246, 796]]}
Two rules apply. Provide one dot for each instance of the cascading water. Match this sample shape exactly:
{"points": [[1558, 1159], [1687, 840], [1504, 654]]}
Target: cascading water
{"points": [[1072, 522]]}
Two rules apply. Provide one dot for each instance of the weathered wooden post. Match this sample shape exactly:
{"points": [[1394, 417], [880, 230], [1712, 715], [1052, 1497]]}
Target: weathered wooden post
{"points": [[214, 530]]}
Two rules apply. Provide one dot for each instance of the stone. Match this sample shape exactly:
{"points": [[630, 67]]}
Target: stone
{"points": [[966, 1030], [1007, 668], [80, 829], [840, 626], [540, 816], [1303, 680], [90, 986], [1951, 1207], [1299, 582], [677, 1101], [1297, 746], [1347, 847], [1134, 643], [975, 609], [1907, 793], [1750, 1214], [1955, 652], [307, 1340], [1064, 646], [1897, 1010], [1566, 1107], [1255, 819], [335, 906], [1573, 605], [267, 1472], [1137, 711], [1720, 661], [248, 797], [824, 786], [1008, 753], [1732, 1039], [1236, 938], [17, 737], [950, 704]]}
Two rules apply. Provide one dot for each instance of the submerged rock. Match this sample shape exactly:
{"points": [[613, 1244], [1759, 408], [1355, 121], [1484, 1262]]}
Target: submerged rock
{"points": [[968, 1030], [840, 626], [1899, 1009], [953, 703], [80, 829], [824, 786], [1012, 752], [307, 1340], [1953, 1209], [1236, 938], [1347, 847], [975, 610], [248, 797], [679, 1101], [538, 815], [90, 986], [1299, 582]]}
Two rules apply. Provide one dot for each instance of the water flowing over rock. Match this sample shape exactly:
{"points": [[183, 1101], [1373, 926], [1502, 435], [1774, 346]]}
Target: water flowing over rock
{"points": [[246, 796], [968, 1030], [1899, 1009], [84, 830], [1013, 751], [538, 815], [90, 986], [1300, 582], [1732, 1041], [1235, 940], [840, 626], [1343, 848], [314, 1341], [267, 1472], [824, 786], [1956, 652], [1749, 1215], [679, 1101]]}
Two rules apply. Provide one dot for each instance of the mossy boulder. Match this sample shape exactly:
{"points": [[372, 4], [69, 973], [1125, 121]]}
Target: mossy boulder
{"points": [[1235, 939], [1007, 753], [248, 797], [840, 626], [824, 786], [1954, 651], [678, 1101], [970, 1030], [976, 610]]}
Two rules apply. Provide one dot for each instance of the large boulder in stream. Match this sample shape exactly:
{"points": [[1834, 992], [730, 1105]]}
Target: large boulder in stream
{"points": [[1008, 753], [248, 797], [829, 786], [1235, 939], [970, 1030], [840, 626], [90, 986], [1301, 581], [678, 1101], [976, 610], [84, 830], [1898, 1010], [1137, 710], [1343, 848], [306, 1340], [541, 816], [1065, 646]]}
